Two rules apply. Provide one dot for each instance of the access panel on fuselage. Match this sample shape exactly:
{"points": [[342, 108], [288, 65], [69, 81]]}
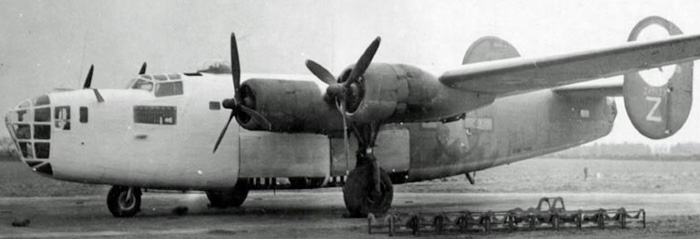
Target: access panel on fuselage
{"points": [[265, 154], [393, 151]]}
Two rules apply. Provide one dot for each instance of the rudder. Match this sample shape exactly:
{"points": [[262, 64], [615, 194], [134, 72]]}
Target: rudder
{"points": [[658, 110]]}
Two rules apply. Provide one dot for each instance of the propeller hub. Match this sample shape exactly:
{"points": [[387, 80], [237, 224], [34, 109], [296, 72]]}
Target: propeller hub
{"points": [[336, 91], [229, 103]]}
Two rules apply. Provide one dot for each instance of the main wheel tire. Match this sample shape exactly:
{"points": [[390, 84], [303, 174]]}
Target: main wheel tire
{"points": [[357, 190], [232, 197], [120, 204]]}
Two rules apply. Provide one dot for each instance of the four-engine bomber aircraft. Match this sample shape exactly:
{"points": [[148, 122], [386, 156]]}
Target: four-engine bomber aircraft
{"points": [[403, 123]]}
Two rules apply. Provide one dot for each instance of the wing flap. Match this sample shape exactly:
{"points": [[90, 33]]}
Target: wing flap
{"points": [[609, 87], [513, 76]]}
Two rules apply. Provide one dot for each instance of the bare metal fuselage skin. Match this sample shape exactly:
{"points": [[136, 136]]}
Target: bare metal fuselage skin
{"points": [[108, 146]]}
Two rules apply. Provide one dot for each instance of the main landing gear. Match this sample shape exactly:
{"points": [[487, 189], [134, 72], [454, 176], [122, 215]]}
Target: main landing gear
{"points": [[368, 188], [124, 201]]}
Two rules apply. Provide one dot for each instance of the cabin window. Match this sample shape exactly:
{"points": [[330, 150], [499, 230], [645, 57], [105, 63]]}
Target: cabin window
{"points": [[165, 115], [42, 131], [42, 114], [83, 114], [214, 105], [169, 88], [62, 117], [42, 150]]}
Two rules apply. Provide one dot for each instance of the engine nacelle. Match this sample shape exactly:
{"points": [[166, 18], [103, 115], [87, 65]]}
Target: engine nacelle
{"points": [[289, 106], [389, 92]]}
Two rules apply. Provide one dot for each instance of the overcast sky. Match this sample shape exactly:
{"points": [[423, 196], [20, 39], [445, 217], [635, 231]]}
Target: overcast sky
{"points": [[51, 44]]}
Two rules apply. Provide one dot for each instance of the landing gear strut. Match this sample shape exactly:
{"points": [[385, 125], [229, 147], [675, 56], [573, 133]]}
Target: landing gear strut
{"points": [[124, 201], [368, 188]]}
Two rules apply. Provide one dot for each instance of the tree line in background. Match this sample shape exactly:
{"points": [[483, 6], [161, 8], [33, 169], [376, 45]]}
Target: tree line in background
{"points": [[679, 151], [8, 151]]}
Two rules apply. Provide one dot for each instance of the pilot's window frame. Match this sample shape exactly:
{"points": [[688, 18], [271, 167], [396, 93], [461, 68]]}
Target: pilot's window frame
{"points": [[140, 83], [160, 77], [62, 117], [172, 88], [173, 76]]}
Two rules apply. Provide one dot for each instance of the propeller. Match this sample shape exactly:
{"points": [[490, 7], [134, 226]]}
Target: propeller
{"points": [[88, 82], [88, 79], [143, 69], [338, 90], [342, 90], [236, 104]]}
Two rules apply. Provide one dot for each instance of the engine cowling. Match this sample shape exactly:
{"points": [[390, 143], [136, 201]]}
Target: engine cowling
{"points": [[289, 106], [389, 91]]}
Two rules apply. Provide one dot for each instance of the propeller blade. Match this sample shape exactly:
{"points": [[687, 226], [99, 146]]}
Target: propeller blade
{"points": [[320, 72], [143, 69], [223, 132], [341, 108], [363, 62], [88, 79], [235, 65], [256, 116]]}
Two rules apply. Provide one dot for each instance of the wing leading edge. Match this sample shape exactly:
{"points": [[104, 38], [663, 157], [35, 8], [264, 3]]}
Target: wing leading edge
{"points": [[519, 75]]}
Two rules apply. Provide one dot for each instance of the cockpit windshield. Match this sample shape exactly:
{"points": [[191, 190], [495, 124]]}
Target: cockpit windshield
{"points": [[163, 85], [141, 84]]}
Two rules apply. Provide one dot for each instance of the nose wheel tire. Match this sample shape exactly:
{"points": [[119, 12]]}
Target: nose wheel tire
{"points": [[357, 193], [124, 201], [232, 197]]}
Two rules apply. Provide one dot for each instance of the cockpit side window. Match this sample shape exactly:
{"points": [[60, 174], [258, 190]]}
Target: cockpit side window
{"points": [[62, 117], [141, 84], [169, 88]]}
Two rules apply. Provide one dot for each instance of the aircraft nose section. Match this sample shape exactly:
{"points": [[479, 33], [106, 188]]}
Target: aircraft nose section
{"points": [[29, 125]]}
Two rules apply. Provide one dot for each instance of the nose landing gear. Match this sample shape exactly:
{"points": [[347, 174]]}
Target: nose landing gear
{"points": [[124, 201]]}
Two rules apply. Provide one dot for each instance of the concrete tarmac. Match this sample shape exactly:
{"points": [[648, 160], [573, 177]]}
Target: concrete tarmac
{"points": [[316, 213]]}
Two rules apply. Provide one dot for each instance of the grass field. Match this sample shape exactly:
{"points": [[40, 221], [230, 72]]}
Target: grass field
{"points": [[534, 175]]}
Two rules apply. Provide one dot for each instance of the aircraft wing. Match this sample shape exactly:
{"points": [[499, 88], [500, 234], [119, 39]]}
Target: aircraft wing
{"points": [[519, 75]]}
